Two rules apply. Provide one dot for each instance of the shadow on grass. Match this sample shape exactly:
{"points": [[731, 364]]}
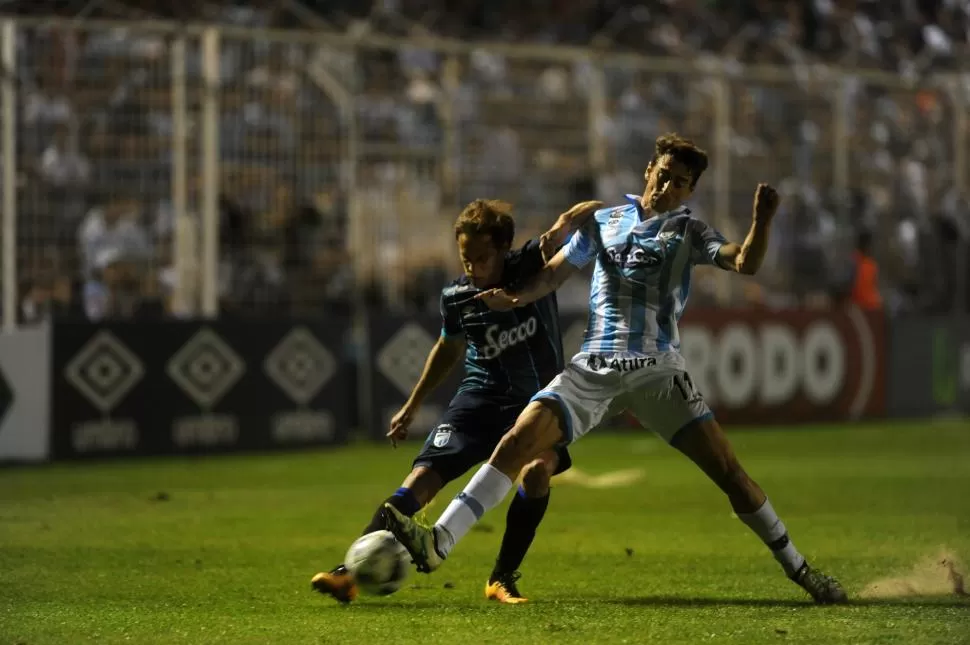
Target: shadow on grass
{"points": [[409, 603]]}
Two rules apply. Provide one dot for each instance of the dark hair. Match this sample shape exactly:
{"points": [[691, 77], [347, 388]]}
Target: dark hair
{"points": [[863, 241], [487, 217], [683, 151]]}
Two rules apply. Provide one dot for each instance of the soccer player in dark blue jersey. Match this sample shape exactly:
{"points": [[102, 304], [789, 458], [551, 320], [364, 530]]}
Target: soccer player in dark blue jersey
{"points": [[509, 356]]}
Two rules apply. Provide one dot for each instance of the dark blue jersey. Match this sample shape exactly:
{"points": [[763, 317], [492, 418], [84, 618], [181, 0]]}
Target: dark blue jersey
{"points": [[511, 354]]}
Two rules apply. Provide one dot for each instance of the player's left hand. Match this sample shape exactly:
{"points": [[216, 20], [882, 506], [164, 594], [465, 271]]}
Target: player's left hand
{"points": [[498, 299], [766, 202], [551, 240], [401, 423], [555, 237]]}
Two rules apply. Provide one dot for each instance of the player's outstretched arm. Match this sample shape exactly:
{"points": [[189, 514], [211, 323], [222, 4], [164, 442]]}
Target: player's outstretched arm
{"points": [[566, 224], [747, 258], [445, 354], [548, 279], [442, 358]]}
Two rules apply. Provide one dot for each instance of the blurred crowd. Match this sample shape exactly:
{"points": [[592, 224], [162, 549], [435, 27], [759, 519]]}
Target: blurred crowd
{"points": [[97, 227]]}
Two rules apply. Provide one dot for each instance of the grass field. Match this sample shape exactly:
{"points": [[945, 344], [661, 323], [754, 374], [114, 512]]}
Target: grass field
{"points": [[221, 550]]}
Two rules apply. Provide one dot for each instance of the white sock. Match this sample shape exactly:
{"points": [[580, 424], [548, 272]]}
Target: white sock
{"points": [[766, 524], [486, 489]]}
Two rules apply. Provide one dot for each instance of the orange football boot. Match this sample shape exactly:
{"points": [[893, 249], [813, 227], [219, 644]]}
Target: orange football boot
{"points": [[337, 583], [503, 589]]}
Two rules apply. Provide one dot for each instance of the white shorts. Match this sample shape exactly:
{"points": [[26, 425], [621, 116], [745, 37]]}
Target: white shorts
{"points": [[656, 389]]}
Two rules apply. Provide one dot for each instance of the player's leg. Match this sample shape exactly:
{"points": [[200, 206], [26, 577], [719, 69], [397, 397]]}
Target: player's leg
{"points": [[450, 449], [525, 513], [419, 487], [536, 430], [570, 406], [679, 414], [705, 443]]}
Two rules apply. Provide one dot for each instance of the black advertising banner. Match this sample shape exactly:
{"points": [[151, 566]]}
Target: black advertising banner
{"points": [[929, 366], [399, 347], [197, 387]]}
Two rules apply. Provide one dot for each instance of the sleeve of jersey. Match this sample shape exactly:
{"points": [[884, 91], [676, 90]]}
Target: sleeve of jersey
{"points": [[450, 324], [580, 249], [706, 243]]}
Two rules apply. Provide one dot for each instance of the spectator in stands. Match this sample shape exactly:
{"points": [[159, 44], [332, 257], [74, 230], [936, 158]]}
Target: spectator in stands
{"points": [[252, 279], [121, 289], [65, 172], [517, 126], [865, 278], [101, 290], [47, 297], [112, 231], [47, 103]]}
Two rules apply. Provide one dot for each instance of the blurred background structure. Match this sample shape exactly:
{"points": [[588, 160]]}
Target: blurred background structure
{"points": [[185, 159]]}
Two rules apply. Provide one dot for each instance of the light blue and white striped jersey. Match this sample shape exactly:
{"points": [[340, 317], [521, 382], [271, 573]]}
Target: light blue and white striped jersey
{"points": [[642, 278]]}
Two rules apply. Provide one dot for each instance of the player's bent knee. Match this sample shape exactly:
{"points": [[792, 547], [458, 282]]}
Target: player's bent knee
{"points": [[551, 415], [511, 452], [535, 478], [536, 430]]}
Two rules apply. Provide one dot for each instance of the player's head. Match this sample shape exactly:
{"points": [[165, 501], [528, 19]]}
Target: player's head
{"points": [[484, 233], [673, 172]]}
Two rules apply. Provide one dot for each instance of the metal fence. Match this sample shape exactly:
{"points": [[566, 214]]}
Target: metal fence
{"points": [[207, 169]]}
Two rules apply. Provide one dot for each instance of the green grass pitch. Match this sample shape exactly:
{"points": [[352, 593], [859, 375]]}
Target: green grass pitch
{"points": [[221, 550]]}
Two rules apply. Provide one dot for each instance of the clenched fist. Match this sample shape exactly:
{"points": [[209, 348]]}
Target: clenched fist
{"points": [[766, 201]]}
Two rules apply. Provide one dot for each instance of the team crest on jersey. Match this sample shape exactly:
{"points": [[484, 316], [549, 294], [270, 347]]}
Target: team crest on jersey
{"points": [[442, 435], [614, 220]]}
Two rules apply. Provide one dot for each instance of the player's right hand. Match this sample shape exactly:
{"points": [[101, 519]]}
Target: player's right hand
{"points": [[766, 202], [400, 423], [498, 299]]}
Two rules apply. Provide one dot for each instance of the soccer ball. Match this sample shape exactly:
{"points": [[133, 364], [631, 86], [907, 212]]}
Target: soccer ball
{"points": [[378, 562]]}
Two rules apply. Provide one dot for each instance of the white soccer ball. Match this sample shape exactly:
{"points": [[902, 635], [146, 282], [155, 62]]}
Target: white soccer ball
{"points": [[378, 562]]}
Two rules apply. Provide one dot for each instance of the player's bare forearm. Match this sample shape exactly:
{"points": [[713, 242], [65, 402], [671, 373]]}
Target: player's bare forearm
{"points": [[442, 359], [749, 256], [552, 276]]}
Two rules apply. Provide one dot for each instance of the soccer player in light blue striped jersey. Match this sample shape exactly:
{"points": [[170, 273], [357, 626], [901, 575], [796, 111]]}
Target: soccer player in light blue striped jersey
{"points": [[630, 360]]}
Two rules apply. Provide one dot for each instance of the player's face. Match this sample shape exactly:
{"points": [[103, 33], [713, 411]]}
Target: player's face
{"points": [[481, 259], [668, 184]]}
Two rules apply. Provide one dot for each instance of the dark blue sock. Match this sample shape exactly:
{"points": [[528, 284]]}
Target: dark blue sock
{"points": [[525, 514], [407, 503], [403, 500]]}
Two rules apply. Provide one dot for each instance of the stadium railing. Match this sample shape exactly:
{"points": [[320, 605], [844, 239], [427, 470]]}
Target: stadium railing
{"points": [[287, 197], [292, 171]]}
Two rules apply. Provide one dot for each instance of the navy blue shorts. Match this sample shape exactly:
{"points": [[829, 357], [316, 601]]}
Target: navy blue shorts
{"points": [[467, 434]]}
